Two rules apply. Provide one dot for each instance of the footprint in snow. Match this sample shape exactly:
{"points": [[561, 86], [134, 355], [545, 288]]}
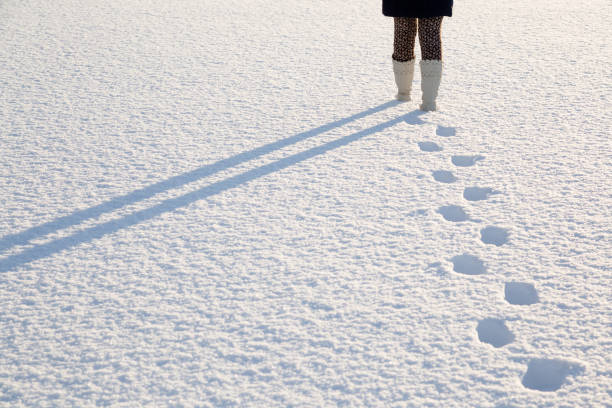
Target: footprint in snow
{"points": [[518, 293], [478, 193], [468, 265], [494, 236], [429, 147], [446, 131], [444, 176], [466, 161], [453, 213], [549, 374], [494, 332]]}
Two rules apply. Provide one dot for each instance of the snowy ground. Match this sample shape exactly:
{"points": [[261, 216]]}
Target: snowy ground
{"points": [[211, 203]]}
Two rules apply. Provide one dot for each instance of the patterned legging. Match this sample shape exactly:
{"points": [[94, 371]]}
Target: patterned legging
{"points": [[429, 38]]}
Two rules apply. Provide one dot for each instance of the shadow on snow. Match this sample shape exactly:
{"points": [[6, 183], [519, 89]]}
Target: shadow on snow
{"points": [[47, 249]]}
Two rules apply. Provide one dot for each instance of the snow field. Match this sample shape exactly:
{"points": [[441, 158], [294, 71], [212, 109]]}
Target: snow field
{"points": [[218, 205]]}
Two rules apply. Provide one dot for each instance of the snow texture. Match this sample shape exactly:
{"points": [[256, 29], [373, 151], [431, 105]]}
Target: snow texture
{"points": [[219, 204]]}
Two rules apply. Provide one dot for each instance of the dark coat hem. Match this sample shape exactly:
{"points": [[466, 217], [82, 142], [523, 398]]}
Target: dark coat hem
{"points": [[419, 15], [417, 8]]}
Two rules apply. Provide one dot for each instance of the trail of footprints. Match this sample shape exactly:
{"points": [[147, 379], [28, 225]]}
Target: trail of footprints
{"points": [[541, 374]]}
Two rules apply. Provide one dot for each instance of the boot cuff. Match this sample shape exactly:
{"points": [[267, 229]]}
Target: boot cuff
{"points": [[403, 67], [431, 68]]}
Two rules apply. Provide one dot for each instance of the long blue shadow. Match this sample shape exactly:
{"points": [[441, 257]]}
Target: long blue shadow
{"points": [[98, 231], [77, 217]]}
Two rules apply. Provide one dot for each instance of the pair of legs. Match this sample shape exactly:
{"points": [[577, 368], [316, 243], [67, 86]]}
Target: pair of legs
{"points": [[430, 38], [429, 30]]}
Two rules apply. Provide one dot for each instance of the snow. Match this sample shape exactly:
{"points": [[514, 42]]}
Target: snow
{"points": [[219, 204]]}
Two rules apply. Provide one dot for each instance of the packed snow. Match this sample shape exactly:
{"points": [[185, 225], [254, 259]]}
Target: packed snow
{"points": [[219, 204]]}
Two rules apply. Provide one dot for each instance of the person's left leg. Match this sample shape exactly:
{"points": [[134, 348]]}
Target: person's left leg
{"points": [[430, 39], [404, 36], [405, 31]]}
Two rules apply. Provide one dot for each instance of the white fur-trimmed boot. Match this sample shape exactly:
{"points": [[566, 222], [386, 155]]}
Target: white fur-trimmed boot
{"points": [[404, 72], [431, 75]]}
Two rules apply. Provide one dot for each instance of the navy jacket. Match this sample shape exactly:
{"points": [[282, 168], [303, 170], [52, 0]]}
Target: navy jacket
{"points": [[417, 8]]}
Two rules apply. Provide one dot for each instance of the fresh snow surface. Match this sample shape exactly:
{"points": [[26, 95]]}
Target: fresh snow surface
{"points": [[219, 204]]}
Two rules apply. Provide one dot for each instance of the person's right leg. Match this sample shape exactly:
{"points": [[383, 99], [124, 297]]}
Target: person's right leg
{"points": [[430, 38], [431, 60], [405, 30]]}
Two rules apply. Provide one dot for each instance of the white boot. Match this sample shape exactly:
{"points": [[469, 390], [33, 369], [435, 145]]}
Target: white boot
{"points": [[404, 72], [431, 74]]}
